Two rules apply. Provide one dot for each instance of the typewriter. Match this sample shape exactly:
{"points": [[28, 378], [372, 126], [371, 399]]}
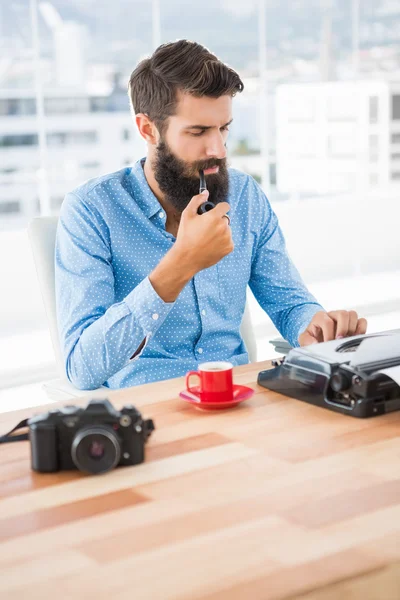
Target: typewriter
{"points": [[357, 376]]}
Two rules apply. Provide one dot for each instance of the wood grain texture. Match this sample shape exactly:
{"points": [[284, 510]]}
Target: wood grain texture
{"points": [[272, 500]]}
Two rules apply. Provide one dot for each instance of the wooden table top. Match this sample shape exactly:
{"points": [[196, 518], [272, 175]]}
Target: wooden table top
{"points": [[273, 499]]}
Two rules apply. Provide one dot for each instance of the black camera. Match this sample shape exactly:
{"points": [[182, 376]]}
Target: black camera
{"points": [[94, 439]]}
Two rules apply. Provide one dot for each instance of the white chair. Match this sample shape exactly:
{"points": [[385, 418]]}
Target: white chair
{"points": [[42, 236], [247, 333]]}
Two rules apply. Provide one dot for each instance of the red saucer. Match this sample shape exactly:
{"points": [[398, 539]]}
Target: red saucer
{"points": [[240, 394]]}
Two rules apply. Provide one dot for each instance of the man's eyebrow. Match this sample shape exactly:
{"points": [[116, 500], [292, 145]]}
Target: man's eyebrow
{"points": [[205, 127]]}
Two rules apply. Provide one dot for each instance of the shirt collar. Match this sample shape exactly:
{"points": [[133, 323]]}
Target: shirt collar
{"points": [[142, 192]]}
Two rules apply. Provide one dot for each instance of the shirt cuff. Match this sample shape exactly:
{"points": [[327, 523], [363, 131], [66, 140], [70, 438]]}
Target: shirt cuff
{"points": [[147, 306]]}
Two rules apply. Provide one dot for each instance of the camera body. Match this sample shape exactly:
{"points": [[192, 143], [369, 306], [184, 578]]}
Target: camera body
{"points": [[94, 439]]}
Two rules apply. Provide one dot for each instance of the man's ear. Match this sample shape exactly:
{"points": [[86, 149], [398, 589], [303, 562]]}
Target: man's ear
{"points": [[147, 129]]}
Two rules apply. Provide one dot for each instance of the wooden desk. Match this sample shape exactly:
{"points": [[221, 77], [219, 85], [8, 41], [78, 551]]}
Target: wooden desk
{"points": [[274, 499]]}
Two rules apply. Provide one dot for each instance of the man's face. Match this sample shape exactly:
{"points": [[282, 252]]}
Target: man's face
{"points": [[194, 139]]}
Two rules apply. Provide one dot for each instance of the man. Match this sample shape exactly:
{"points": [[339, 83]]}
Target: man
{"points": [[146, 287]]}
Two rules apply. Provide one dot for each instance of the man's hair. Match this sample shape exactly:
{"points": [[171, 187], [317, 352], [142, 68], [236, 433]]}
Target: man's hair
{"points": [[178, 66]]}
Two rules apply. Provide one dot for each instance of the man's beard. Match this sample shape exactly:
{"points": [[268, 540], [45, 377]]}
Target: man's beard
{"points": [[180, 181]]}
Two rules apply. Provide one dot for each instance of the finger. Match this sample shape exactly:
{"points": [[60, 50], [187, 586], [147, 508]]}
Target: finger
{"points": [[315, 331], [342, 318], [195, 202], [220, 210], [353, 322], [361, 326], [328, 326], [306, 339]]}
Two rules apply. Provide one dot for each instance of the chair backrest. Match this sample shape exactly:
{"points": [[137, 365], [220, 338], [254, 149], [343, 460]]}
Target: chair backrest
{"points": [[247, 333], [42, 236]]}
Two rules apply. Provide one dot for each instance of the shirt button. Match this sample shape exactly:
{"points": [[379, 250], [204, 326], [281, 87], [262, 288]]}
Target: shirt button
{"points": [[203, 312], [155, 316], [161, 215], [200, 350]]}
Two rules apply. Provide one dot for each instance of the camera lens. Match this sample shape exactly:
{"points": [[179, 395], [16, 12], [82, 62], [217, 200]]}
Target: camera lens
{"points": [[96, 449]]}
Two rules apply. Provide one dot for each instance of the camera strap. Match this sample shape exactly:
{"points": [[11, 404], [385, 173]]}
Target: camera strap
{"points": [[4, 439]]}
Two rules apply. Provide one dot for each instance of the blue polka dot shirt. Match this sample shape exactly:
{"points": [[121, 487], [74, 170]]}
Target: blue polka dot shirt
{"points": [[111, 235]]}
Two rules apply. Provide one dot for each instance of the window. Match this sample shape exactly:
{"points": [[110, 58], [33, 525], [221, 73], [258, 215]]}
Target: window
{"points": [[126, 134], [27, 139], [8, 170], [91, 165], [342, 107], [72, 137], [373, 109], [396, 107], [373, 141], [341, 146], [395, 156], [342, 182], [8, 207], [52, 106], [98, 104], [373, 148], [300, 147], [59, 106], [395, 138], [373, 179], [396, 176], [302, 110], [17, 106], [56, 139], [85, 137]]}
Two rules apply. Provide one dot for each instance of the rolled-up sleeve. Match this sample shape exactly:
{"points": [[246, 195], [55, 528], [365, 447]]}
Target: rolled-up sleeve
{"points": [[98, 336], [275, 281]]}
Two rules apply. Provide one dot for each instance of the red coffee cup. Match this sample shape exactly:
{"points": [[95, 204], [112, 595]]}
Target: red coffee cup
{"points": [[215, 382]]}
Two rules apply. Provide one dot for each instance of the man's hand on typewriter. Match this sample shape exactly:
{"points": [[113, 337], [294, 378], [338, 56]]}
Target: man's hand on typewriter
{"points": [[332, 325]]}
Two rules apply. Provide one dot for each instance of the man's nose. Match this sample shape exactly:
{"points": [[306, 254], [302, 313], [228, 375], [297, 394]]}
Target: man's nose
{"points": [[216, 147]]}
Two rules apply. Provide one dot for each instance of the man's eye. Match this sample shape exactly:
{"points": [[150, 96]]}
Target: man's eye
{"points": [[225, 128]]}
